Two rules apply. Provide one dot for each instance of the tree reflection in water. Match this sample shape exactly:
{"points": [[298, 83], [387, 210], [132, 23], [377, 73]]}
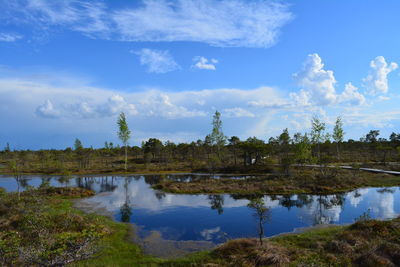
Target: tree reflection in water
{"points": [[326, 203], [217, 203], [126, 209]]}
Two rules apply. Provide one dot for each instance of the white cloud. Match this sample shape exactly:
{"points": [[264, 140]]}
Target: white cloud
{"points": [[357, 196], [237, 113], [86, 102], [10, 37], [351, 95], [318, 87], [47, 110], [371, 118], [301, 98], [158, 104], [204, 64], [376, 82], [180, 115], [382, 205], [116, 104], [157, 61], [315, 212], [143, 197], [317, 82], [83, 109], [218, 23]]}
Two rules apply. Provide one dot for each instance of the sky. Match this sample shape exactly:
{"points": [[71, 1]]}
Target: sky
{"points": [[69, 67]]}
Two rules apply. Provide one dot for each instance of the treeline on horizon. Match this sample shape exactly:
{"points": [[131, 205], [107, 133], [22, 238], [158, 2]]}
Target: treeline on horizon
{"points": [[215, 152]]}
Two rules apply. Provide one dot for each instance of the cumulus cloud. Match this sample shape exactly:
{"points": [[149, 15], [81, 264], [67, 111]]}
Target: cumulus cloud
{"points": [[155, 103], [116, 104], [317, 82], [47, 110], [376, 82], [218, 23], [10, 37], [204, 64], [157, 61], [351, 95], [318, 86], [301, 98]]}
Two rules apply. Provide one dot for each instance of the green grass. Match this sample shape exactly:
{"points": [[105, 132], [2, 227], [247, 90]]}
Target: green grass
{"points": [[118, 251], [309, 238]]}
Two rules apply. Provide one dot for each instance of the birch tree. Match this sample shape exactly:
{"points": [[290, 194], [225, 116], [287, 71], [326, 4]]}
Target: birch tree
{"points": [[124, 135]]}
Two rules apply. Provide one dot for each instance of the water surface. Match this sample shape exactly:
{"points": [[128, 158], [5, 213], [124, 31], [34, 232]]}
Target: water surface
{"points": [[216, 218]]}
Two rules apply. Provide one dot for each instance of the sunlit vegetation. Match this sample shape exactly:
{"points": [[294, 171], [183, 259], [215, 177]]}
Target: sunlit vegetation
{"points": [[364, 243], [215, 154], [302, 180]]}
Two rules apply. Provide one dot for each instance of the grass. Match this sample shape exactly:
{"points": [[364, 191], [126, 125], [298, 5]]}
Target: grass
{"points": [[118, 251], [364, 243]]}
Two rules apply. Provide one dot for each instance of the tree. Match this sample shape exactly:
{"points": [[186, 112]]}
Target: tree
{"points": [[261, 212], [253, 150], [7, 148], [124, 134], [372, 136], [338, 134], [78, 145], [302, 149], [233, 143], [318, 134], [284, 138], [153, 146], [394, 137], [217, 137], [284, 141]]}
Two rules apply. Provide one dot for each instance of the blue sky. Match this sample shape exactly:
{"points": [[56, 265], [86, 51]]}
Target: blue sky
{"points": [[69, 67]]}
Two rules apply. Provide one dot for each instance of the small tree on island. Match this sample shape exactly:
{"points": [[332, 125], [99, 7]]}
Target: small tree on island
{"points": [[318, 134], [338, 134], [124, 135]]}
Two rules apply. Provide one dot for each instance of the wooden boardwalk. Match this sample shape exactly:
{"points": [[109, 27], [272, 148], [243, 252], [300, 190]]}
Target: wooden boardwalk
{"points": [[352, 168]]}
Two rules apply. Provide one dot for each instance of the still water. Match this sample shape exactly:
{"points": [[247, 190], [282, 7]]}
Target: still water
{"points": [[216, 218]]}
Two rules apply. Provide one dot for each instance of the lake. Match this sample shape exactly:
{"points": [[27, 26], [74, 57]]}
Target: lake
{"points": [[201, 221]]}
